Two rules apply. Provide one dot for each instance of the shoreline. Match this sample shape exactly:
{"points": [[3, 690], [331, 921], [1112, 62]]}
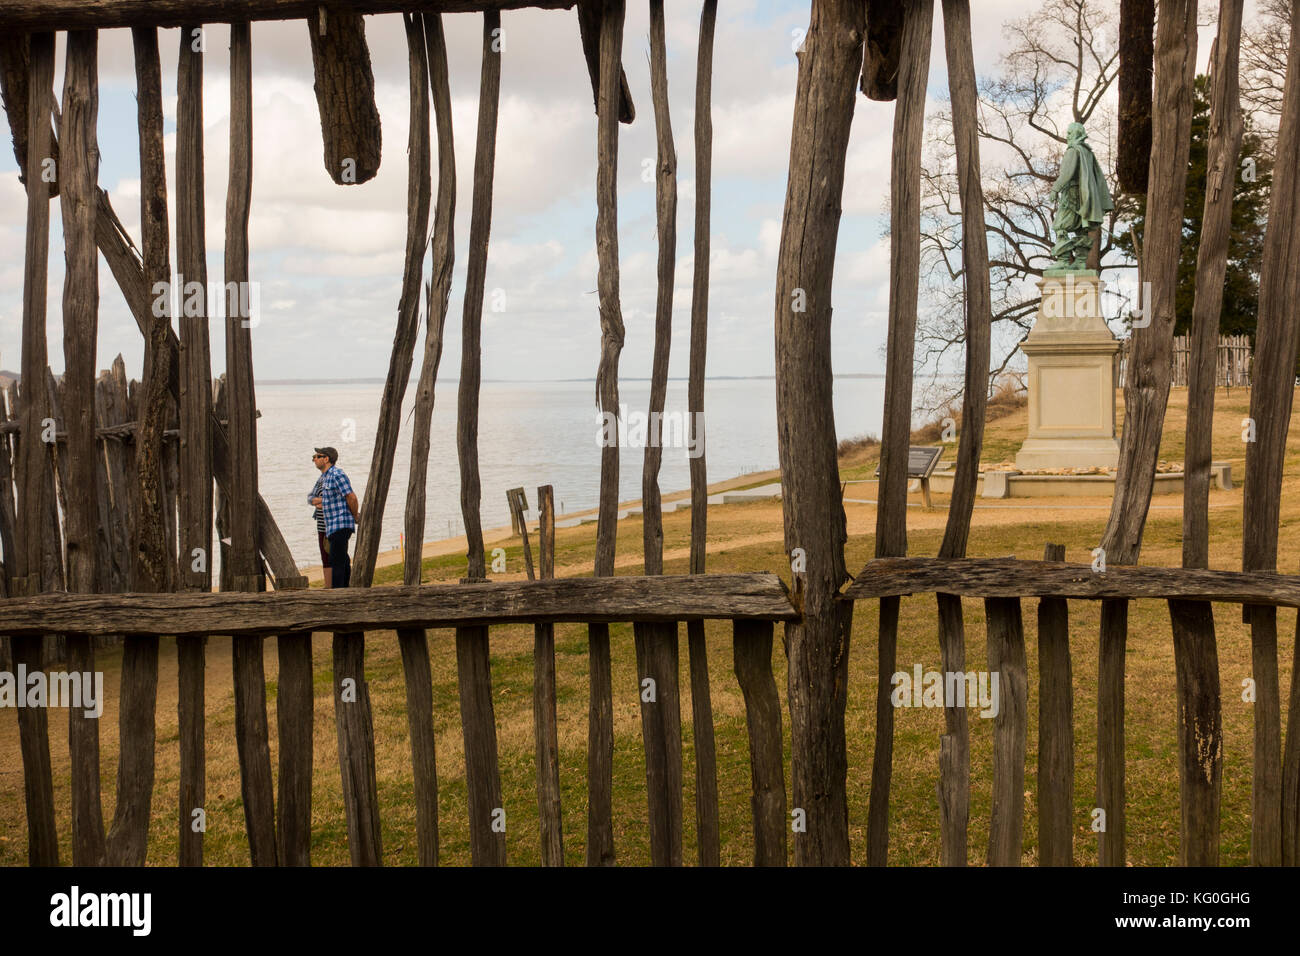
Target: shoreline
{"points": [[444, 546]]}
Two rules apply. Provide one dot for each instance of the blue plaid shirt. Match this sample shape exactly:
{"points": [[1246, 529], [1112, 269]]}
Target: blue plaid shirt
{"points": [[333, 488]]}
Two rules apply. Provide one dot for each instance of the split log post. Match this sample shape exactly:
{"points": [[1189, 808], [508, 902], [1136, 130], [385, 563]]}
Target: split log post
{"points": [[752, 649], [656, 644], [1200, 729], [1006, 654], [295, 720], [473, 668], [414, 641], [814, 516], [706, 762], [1055, 728], [33, 455], [904, 282], [1146, 390], [545, 725], [345, 93], [252, 731], [590, 13], [883, 50], [80, 331], [152, 560], [955, 816], [1270, 410], [600, 733], [195, 401]]}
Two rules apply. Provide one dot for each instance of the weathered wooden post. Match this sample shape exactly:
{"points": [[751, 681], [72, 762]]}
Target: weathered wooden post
{"points": [[473, 667], [814, 517], [345, 93], [80, 332], [904, 284]]}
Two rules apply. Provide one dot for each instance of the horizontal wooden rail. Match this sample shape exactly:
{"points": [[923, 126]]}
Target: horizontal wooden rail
{"points": [[34, 15], [1007, 577], [761, 597]]}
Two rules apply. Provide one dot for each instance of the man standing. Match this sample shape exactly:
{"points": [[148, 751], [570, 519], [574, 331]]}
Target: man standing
{"points": [[338, 505]]}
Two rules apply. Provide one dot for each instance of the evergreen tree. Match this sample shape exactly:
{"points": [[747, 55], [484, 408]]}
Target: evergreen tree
{"points": [[1252, 179]]}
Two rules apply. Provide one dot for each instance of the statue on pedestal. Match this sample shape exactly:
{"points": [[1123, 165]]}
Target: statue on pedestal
{"points": [[1082, 201]]}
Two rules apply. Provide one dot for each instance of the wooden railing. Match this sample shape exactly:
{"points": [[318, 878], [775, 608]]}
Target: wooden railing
{"points": [[1003, 584], [753, 602]]}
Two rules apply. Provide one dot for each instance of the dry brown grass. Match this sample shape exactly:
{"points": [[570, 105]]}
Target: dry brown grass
{"points": [[744, 538]]}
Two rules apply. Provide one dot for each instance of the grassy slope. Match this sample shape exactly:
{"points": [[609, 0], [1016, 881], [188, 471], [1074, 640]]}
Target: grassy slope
{"points": [[746, 538]]}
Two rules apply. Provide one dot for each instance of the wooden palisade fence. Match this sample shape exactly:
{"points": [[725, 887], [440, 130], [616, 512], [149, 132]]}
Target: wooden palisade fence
{"points": [[131, 559]]}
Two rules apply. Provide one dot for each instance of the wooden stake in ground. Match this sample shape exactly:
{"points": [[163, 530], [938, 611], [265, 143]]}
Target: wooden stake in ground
{"points": [[545, 726], [975, 277], [34, 455], [195, 399], [1199, 707], [814, 517], [1146, 392], [600, 732], [80, 332], [1276, 342], [414, 641], [904, 284], [245, 563], [474, 672], [706, 772]]}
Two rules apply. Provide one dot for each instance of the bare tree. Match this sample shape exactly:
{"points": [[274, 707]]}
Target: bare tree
{"points": [[1264, 45], [1061, 67]]}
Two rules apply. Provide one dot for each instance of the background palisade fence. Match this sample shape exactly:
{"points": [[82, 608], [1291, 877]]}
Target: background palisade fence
{"points": [[62, 580]]}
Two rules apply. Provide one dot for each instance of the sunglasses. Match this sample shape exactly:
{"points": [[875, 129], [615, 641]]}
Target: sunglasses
{"points": [[314, 457]]}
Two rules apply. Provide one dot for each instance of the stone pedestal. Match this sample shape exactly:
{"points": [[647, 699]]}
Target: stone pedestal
{"points": [[1071, 356]]}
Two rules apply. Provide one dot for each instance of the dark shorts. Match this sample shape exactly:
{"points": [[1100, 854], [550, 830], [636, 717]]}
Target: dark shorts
{"points": [[324, 549]]}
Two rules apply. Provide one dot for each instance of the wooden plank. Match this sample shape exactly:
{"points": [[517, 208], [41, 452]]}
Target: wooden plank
{"points": [[1055, 729], [33, 456], [904, 279], [345, 92], [545, 724], [752, 650], [80, 332], [1111, 648], [355, 722], [294, 711], [1008, 577], [1006, 651], [1200, 732], [706, 767], [579, 600], [518, 504], [29, 15], [370, 525], [600, 722]]}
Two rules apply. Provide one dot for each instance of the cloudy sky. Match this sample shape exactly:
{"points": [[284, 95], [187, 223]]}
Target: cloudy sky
{"points": [[329, 258]]}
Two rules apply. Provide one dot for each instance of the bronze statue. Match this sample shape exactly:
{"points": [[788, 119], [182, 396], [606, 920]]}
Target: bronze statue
{"points": [[1082, 201]]}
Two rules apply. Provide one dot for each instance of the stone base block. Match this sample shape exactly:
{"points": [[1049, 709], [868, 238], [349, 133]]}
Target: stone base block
{"points": [[1038, 454]]}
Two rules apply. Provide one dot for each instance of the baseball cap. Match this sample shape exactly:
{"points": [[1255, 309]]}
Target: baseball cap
{"points": [[331, 453]]}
